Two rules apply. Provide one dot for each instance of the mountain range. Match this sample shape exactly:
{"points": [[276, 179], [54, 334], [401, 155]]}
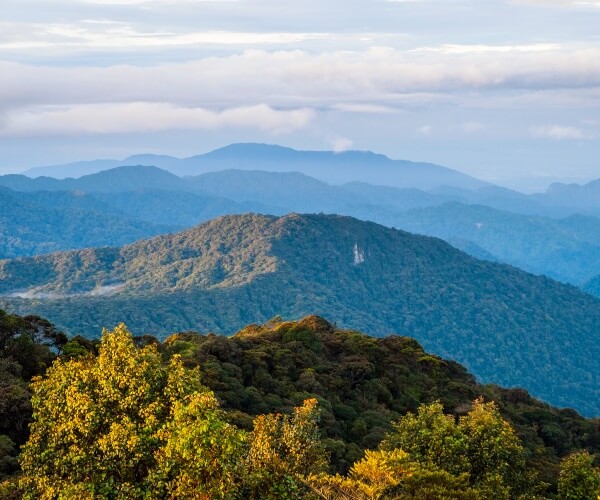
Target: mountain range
{"points": [[129, 203], [329, 166], [505, 325]]}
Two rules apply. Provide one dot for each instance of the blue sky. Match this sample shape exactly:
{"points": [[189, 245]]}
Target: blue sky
{"points": [[506, 90]]}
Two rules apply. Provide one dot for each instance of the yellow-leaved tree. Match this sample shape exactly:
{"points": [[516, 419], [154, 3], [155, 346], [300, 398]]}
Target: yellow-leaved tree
{"points": [[126, 425], [284, 450]]}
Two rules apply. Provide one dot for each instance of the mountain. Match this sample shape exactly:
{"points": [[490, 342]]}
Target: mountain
{"points": [[363, 384], [30, 226], [505, 325], [336, 168], [585, 198], [593, 286], [566, 249], [329, 166], [119, 179], [81, 168], [74, 169]]}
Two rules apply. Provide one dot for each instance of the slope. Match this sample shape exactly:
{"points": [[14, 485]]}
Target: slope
{"points": [[362, 385], [30, 226], [565, 249], [505, 325]]}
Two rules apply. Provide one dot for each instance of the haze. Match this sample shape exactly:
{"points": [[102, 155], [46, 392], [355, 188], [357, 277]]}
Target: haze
{"points": [[506, 91]]}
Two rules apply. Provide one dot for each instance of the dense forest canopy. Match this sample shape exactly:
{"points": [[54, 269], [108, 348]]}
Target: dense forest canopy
{"points": [[506, 326], [284, 410]]}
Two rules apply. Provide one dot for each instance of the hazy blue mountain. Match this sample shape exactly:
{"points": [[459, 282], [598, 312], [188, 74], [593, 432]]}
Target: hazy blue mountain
{"points": [[179, 208], [593, 286], [74, 169], [506, 325], [400, 199], [30, 227], [505, 199], [585, 198], [328, 166], [81, 168], [290, 190], [119, 179], [335, 168], [566, 249]]}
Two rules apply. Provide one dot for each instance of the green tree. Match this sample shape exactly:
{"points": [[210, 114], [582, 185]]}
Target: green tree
{"points": [[481, 447], [202, 455], [431, 438], [578, 478]]}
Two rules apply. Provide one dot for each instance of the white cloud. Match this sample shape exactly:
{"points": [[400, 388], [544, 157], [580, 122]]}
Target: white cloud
{"points": [[425, 130], [147, 117], [381, 77], [101, 34], [363, 108], [140, 2], [560, 3], [341, 144], [558, 132]]}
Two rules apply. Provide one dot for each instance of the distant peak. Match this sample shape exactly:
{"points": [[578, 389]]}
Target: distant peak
{"points": [[258, 149]]}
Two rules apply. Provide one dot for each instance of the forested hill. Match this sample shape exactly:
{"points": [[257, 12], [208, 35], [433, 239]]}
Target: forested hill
{"points": [[505, 325], [363, 388]]}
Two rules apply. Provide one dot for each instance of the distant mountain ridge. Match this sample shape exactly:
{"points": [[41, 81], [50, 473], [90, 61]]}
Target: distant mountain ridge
{"points": [[507, 326], [44, 222], [328, 166], [482, 222]]}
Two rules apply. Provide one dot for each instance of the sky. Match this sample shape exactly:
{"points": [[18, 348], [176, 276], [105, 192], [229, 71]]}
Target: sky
{"points": [[505, 90]]}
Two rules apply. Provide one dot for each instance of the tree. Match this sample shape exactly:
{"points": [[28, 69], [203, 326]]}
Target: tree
{"points": [[481, 447], [431, 438], [202, 455], [101, 426], [578, 478], [284, 450]]}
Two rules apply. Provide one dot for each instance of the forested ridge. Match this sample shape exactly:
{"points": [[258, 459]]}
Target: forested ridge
{"points": [[132, 202], [505, 325], [280, 410]]}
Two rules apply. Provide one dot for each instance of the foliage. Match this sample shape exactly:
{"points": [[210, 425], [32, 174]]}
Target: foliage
{"points": [[202, 453], [363, 384], [283, 450], [125, 424], [27, 346], [579, 479], [45, 222], [429, 455], [482, 445], [97, 422], [133, 420], [505, 325]]}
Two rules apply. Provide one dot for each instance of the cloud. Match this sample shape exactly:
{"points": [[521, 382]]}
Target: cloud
{"points": [[558, 132], [341, 144], [381, 77], [425, 130], [363, 108], [147, 117], [109, 35], [560, 3]]}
